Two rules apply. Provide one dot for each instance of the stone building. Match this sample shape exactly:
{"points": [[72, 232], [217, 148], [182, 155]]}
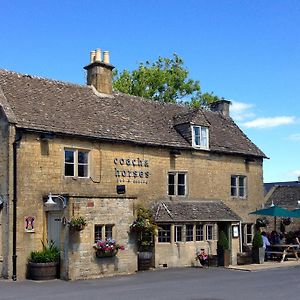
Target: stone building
{"points": [[102, 154]]}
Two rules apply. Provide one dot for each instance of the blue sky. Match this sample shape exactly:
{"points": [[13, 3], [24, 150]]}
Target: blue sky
{"points": [[245, 51]]}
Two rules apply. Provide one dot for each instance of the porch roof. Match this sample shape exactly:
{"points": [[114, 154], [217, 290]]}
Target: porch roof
{"points": [[196, 210]]}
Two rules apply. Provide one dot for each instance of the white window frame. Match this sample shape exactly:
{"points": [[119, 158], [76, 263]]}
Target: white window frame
{"points": [[176, 184], [76, 163], [246, 233], [103, 231], [178, 233], [207, 226], [198, 235], [199, 137], [238, 187]]}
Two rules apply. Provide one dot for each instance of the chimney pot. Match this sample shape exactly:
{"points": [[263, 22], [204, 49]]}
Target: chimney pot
{"points": [[92, 57], [99, 73], [97, 55], [106, 57]]}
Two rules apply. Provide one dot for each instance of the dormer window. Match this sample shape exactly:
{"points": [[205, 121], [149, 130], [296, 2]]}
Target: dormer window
{"points": [[200, 137]]}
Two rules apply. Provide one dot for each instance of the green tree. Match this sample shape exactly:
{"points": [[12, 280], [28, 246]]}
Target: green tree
{"points": [[165, 80]]}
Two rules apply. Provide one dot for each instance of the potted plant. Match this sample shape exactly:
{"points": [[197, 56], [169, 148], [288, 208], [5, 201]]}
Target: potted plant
{"points": [[144, 229], [43, 264], [258, 251], [107, 248], [223, 251], [262, 222], [77, 223]]}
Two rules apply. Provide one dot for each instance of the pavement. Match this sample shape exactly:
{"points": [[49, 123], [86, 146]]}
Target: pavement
{"points": [[291, 262]]}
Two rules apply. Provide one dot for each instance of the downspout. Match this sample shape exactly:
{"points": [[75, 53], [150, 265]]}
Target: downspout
{"points": [[16, 144]]}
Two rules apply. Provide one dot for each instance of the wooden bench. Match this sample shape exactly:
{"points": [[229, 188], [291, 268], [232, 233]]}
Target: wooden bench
{"points": [[286, 249]]}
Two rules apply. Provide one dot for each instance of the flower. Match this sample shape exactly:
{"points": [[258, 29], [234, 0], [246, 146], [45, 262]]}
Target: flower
{"points": [[108, 246]]}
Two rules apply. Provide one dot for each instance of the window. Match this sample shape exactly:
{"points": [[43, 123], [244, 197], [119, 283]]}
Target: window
{"points": [[189, 232], [199, 232], [76, 163], [164, 233], [102, 232], [238, 186], [178, 233], [209, 232], [176, 184], [98, 233], [248, 233], [200, 137]]}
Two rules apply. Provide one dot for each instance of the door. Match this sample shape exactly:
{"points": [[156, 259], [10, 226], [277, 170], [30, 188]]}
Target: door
{"points": [[54, 227]]}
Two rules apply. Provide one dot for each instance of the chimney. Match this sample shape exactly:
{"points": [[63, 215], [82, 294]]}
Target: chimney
{"points": [[221, 106], [99, 72]]}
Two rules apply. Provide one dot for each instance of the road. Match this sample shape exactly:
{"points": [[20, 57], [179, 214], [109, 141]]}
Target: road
{"points": [[181, 284]]}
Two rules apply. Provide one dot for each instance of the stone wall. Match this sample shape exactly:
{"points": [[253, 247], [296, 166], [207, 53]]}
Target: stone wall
{"points": [[143, 171]]}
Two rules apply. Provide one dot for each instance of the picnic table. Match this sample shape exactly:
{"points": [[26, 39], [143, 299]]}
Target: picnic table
{"points": [[283, 250]]}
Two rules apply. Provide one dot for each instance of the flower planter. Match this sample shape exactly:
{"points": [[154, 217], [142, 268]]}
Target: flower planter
{"points": [[78, 227], [43, 271], [102, 254]]}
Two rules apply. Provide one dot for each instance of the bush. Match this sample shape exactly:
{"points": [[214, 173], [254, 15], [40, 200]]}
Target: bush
{"points": [[223, 241], [257, 240], [48, 254]]}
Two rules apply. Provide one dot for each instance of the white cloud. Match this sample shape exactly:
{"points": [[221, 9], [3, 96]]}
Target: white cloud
{"points": [[270, 122], [240, 111], [294, 137]]}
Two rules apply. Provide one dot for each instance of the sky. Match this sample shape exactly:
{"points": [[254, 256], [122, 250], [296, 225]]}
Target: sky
{"points": [[245, 51]]}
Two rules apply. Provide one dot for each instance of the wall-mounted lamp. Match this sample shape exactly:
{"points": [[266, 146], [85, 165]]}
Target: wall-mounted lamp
{"points": [[51, 203]]}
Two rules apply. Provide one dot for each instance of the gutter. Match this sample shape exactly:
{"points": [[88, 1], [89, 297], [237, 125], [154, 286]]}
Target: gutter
{"points": [[16, 145]]}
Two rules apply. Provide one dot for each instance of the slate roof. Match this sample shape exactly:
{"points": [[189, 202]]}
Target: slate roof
{"points": [[269, 185], [285, 196], [63, 108], [189, 211]]}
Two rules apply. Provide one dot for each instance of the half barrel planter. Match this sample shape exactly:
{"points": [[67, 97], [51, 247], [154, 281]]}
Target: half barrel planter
{"points": [[43, 271]]}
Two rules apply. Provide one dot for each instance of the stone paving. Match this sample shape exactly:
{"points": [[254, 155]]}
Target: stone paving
{"points": [[291, 262]]}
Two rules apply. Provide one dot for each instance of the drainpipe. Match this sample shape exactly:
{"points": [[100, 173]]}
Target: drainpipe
{"points": [[16, 144]]}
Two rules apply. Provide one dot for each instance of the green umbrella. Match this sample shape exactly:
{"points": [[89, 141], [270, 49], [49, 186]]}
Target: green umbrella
{"points": [[274, 211], [296, 213]]}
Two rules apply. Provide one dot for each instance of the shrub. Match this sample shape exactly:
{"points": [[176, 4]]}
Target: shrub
{"points": [[223, 241], [257, 240], [48, 254]]}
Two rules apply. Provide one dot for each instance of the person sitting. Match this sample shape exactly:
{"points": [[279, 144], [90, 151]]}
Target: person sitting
{"points": [[266, 244], [274, 238], [203, 258]]}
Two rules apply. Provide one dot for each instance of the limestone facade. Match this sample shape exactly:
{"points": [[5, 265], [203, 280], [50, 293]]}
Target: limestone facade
{"points": [[143, 171]]}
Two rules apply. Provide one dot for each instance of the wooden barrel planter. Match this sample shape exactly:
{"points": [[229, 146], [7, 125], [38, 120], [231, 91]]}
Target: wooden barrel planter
{"points": [[144, 260], [43, 271]]}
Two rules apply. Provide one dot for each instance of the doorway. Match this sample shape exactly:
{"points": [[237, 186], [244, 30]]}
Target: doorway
{"points": [[54, 228]]}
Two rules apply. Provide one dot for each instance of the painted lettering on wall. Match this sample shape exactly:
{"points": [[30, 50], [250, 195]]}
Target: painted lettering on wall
{"points": [[131, 170]]}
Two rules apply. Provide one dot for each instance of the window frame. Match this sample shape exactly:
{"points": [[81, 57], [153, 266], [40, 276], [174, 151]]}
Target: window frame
{"points": [[164, 234], [238, 179], [198, 236], [199, 145], [178, 233], [103, 230], [76, 164], [189, 234], [176, 183], [246, 234], [207, 226]]}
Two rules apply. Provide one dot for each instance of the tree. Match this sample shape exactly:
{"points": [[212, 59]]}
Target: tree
{"points": [[165, 80]]}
